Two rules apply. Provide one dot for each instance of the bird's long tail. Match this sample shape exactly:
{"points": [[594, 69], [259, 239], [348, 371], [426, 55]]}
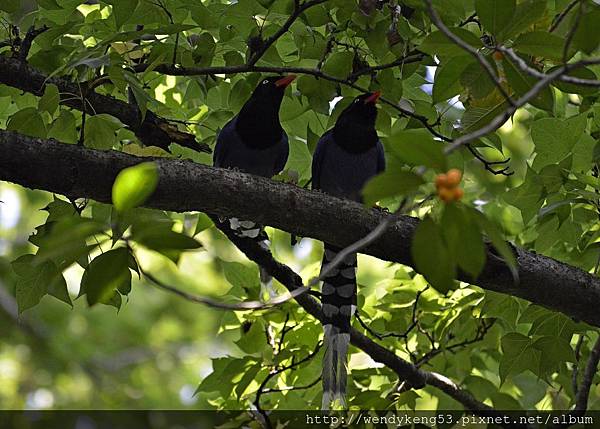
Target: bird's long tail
{"points": [[339, 303], [249, 229]]}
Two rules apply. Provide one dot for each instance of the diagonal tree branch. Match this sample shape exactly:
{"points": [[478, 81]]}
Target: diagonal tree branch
{"points": [[501, 118], [583, 392], [412, 375], [522, 64], [153, 131], [435, 18], [299, 9], [186, 186]]}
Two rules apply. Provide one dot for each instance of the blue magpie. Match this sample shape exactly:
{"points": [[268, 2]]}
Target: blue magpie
{"points": [[254, 142], [345, 158]]}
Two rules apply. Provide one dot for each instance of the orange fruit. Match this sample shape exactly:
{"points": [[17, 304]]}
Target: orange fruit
{"points": [[458, 194], [453, 177], [441, 181], [445, 194]]}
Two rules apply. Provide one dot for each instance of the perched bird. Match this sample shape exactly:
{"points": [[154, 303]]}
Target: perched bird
{"points": [[254, 142], [346, 157]]}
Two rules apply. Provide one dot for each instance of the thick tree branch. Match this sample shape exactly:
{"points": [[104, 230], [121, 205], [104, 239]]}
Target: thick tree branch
{"points": [[153, 131], [186, 186]]}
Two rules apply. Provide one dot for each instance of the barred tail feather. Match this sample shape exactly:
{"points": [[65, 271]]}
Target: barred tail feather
{"points": [[249, 229], [339, 304], [329, 374]]}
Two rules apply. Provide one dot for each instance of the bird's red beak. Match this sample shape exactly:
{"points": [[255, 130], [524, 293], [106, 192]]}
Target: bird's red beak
{"points": [[285, 81], [373, 97]]}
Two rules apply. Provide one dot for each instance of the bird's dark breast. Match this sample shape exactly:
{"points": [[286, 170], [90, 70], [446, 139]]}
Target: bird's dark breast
{"points": [[343, 173], [261, 162], [232, 151]]}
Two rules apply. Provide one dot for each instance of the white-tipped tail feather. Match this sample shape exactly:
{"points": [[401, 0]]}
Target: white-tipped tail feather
{"points": [[335, 366]]}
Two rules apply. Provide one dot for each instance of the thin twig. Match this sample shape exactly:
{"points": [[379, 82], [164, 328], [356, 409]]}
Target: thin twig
{"points": [[583, 393], [435, 18], [562, 16], [298, 10], [277, 371], [522, 64], [575, 375], [32, 33], [489, 165], [571, 33], [240, 306], [500, 119]]}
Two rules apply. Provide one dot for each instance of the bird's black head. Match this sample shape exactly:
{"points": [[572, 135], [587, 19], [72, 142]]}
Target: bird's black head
{"points": [[258, 121], [271, 89], [355, 128]]}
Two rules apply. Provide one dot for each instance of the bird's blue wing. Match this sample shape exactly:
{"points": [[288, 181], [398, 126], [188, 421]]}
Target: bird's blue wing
{"points": [[283, 154], [380, 157], [223, 144], [318, 159]]}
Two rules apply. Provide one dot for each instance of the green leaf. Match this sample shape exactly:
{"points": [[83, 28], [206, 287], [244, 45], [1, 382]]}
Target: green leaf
{"points": [[299, 160], [528, 196], [64, 128], [447, 78], [526, 14], [241, 276], [464, 238], [436, 43], [28, 121], [50, 99], [253, 341], [431, 256], [495, 15], [131, 35], [475, 79], [521, 82], [417, 147], [554, 138], [518, 355], [583, 153], [553, 324], [204, 222], [503, 248], [205, 50], [134, 185], [64, 241], [99, 131], [541, 44], [10, 6], [555, 351], [36, 279], [390, 184], [49, 4], [476, 117], [122, 10], [163, 239], [105, 275], [587, 36], [339, 64]]}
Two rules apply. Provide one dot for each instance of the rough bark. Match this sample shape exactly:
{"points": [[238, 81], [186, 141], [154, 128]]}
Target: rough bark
{"points": [[186, 186]]}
